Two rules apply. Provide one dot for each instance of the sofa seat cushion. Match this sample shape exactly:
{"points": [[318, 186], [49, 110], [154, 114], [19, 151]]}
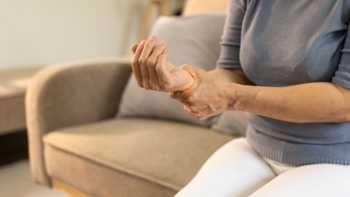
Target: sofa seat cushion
{"points": [[93, 179], [162, 152], [13, 84]]}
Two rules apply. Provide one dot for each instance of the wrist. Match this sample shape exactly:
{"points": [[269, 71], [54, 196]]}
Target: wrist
{"points": [[191, 79], [241, 97]]}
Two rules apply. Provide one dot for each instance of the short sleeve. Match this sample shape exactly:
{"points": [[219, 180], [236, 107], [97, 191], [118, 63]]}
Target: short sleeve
{"points": [[231, 37], [342, 75]]}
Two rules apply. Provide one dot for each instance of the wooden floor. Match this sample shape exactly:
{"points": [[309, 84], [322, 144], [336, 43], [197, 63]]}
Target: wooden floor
{"points": [[69, 190]]}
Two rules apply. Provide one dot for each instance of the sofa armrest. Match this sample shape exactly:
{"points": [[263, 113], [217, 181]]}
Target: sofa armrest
{"points": [[69, 95]]}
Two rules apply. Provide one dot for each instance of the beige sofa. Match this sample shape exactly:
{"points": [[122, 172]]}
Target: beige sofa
{"points": [[78, 146], [13, 85]]}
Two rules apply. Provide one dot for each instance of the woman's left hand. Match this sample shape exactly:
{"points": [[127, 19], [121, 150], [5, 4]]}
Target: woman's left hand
{"points": [[208, 97]]}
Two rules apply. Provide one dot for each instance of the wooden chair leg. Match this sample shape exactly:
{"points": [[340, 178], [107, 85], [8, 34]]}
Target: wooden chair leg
{"points": [[162, 10], [145, 21], [164, 7], [67, 189]]}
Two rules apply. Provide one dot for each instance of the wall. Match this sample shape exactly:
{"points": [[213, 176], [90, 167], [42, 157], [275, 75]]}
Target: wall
{"points": [[41, 32]]}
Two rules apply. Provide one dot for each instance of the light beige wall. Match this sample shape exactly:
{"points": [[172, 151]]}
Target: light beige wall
{"points": [[40, 32]]}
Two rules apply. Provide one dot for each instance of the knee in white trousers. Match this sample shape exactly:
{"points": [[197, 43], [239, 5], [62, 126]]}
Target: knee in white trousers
{"points": [[236, 170]]}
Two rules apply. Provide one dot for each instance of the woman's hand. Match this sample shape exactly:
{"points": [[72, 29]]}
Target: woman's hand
{"points": [[209, 96], [152, 70]]}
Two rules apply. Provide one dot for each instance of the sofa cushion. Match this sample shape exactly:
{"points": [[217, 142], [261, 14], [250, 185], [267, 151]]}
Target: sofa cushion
{"points": [[13, 84], [191, 40], [232, 123], [158, 152], [94, 179]]}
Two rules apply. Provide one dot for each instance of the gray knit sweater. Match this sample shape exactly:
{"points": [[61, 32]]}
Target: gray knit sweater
{"points": [[285, 42]]}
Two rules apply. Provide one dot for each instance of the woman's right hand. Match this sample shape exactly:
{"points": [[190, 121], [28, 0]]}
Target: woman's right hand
{"points": [[152, 70]]}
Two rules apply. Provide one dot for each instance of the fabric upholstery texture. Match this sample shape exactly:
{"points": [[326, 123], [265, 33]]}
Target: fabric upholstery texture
{"points": [[232, 123], [12, 114], [189, 42], [99, 180], [13, 84], [163, 152], [71, 94]]}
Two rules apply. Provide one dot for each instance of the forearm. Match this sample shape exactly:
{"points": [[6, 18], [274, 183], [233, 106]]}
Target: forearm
{"points": [[305, 103]]}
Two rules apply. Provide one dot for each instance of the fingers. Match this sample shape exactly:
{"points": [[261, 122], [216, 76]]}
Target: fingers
{"points": [[191, 69], [149, 57], [152, 64], [153, 79], [194, 108], [161, 72], [178, 95], [200, 112], [140, 62], [149, 45], [136, 63], [187, 109], [148, 49]]}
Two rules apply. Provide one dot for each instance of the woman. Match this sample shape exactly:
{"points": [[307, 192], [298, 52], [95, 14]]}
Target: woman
{"points": [[288, 64]]}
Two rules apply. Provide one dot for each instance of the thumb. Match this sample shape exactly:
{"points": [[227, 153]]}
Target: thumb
{"points": [[192, 70], [187, 67]]}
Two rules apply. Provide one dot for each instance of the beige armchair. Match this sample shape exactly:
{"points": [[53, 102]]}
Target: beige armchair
{"points": [[70, 95], [78, 146], [13, 85]]}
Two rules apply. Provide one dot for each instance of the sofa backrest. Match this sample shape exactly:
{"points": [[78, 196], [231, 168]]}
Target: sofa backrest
{"points": [[205, 6]]}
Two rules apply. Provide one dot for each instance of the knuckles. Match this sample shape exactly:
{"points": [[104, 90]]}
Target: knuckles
{"points": [[158, 69], [142, 61], [151, 63], [156, 48]]}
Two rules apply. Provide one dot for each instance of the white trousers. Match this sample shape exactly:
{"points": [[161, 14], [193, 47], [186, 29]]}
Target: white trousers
{"points": [[236, 170]]}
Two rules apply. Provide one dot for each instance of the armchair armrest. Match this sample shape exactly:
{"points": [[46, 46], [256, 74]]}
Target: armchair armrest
{"points": [[68, 95]]}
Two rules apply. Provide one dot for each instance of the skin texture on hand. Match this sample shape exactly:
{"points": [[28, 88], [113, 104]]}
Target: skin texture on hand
{"points": [[152, 69], [208, 97], [214, 92], [204, 93]]}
